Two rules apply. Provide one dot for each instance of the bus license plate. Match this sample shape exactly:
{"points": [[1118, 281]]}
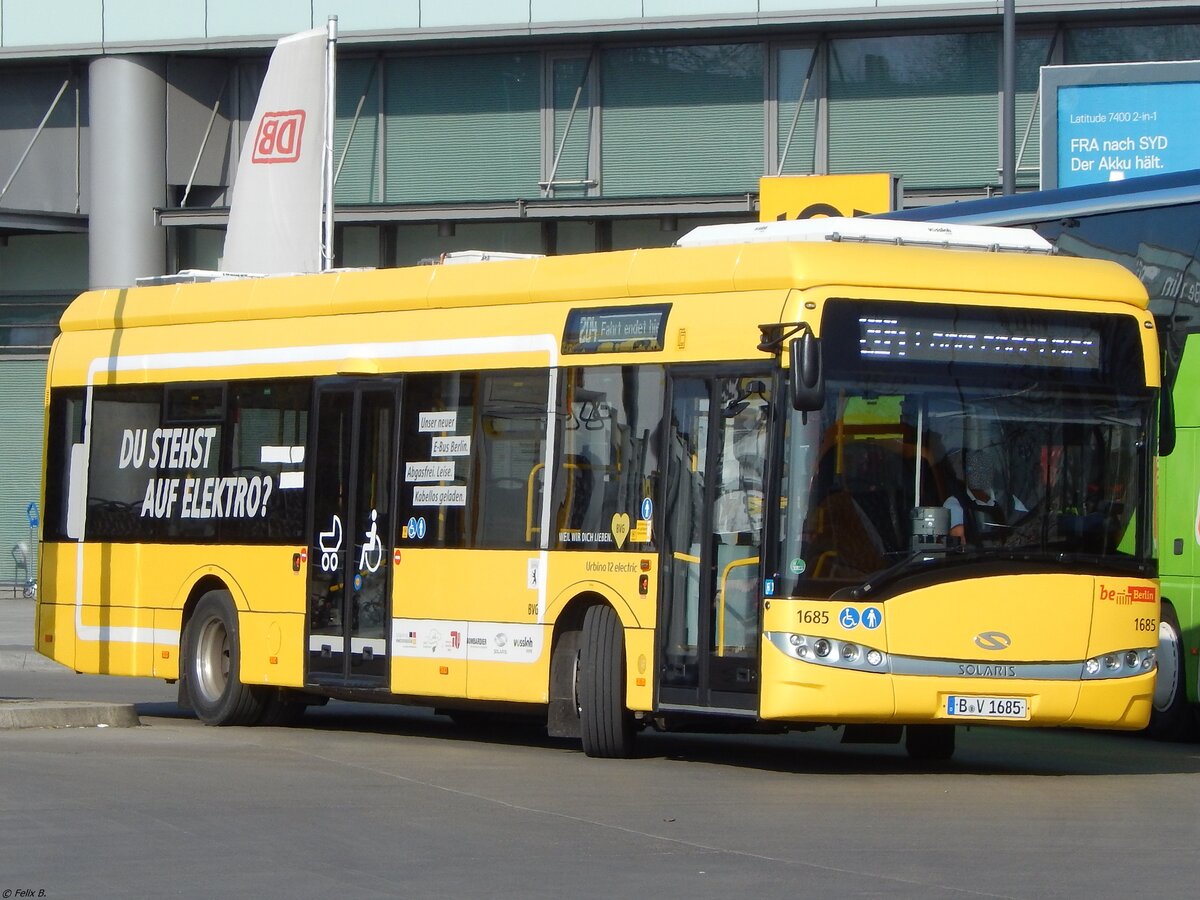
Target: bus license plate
{"points": [[988, 707]]}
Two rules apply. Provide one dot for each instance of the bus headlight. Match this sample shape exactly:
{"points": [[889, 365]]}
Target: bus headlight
{"points": [[1121, 664], [830, 652]]}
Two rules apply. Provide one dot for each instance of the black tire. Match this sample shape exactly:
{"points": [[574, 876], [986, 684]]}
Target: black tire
{"points": [[929, 743], [606, 726], [212, 658], [1172, 717]]}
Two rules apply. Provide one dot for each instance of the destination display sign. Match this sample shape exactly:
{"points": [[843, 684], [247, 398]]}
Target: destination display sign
{"points": [[616, 329], [919, 338]]}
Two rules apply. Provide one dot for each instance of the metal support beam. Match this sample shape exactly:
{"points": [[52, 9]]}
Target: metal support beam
{"points": [[36, 134], [1008, 93]]}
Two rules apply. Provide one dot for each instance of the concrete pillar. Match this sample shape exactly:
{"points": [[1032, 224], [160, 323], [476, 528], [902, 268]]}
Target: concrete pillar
{"points": [[127, 129]]}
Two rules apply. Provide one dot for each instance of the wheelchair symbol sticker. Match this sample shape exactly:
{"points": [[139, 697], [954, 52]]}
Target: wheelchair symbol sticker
{"points": [[372, 549], [870, 618]]}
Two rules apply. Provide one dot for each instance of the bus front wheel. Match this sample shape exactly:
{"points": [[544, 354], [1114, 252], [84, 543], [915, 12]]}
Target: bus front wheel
{"points": [[1171, 717], [606, 726], [212, 659]]}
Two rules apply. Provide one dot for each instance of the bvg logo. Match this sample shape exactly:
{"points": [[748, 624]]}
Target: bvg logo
{"points": [[278, 138]]}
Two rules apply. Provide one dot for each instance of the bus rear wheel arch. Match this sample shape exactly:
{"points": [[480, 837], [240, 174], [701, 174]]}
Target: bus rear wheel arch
{"points": [[211, 662]]}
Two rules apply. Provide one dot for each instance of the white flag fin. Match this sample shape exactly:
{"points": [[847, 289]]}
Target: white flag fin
{"points": [[276, 210]]}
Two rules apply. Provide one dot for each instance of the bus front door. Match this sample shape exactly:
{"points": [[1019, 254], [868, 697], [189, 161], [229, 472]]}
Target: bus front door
{"points": [[709, 634], [350, 534]]}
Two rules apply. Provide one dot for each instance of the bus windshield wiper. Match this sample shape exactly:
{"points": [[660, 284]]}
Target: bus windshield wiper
{"points": [[896, 569]]}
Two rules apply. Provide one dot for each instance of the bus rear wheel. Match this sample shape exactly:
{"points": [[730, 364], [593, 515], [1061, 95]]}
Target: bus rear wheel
{"points": [[1171, 716], [212, 660], [606, 726]]}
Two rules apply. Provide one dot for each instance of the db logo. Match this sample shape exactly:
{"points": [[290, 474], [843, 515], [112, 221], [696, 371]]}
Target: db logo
{"points": [[278, 138]]}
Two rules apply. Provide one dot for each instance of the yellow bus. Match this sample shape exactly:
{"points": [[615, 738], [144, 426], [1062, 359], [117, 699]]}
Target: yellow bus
{"points": [[710, 486]]}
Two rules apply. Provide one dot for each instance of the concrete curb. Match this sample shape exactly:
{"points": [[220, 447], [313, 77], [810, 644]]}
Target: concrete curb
{"points": [[66, 714]]}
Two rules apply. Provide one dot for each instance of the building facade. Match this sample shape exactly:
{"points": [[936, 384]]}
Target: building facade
{"points": [[520, 125]]}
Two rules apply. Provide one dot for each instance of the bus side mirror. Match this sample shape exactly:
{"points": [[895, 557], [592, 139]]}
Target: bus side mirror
{"points": [[808, 381]]}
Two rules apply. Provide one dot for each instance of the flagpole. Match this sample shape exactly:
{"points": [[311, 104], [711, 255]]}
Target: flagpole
{"points": [[327, 150]]}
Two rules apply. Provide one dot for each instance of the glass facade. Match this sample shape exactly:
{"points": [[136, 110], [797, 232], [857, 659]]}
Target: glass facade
{"points": [[892, 98], [462, 128], [680, 120]]}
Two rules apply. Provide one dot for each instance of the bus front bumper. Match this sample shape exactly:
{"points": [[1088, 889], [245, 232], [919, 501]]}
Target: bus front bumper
{"points": [[812, 693]]}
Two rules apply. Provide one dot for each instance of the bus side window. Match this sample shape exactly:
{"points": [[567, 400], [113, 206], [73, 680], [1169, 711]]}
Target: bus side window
{"points": [[269, 424], [437, 440], [473, 447], [129, 489], [65, 466], [511, 458], [609, 424]]}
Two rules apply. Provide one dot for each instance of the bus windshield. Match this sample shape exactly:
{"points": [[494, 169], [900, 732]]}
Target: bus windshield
{"points": [[927, 470]]}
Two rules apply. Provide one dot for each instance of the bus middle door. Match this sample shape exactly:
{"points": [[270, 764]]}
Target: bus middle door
{"points": [[350, 534]]}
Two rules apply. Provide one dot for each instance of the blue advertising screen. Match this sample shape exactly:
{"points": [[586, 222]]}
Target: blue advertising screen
{"points": [[1107, 132]]}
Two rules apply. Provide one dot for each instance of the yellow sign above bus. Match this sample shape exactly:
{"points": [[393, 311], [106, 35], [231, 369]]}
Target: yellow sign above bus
{"points": [[816, 196]]}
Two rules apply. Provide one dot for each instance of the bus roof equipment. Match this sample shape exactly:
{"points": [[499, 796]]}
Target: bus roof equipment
{"points": [[870, 231]]}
